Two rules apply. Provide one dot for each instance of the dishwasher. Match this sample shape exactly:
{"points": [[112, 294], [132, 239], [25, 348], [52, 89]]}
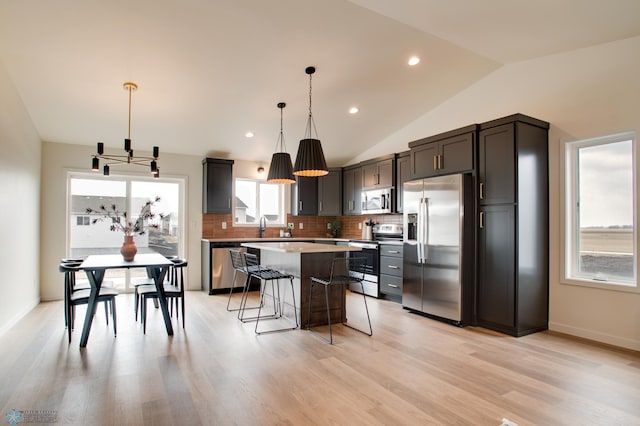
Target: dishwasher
{"points": [[217, 271]]}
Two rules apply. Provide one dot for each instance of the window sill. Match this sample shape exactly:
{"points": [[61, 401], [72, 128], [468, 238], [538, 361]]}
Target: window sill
{"points": [[609, 286]]}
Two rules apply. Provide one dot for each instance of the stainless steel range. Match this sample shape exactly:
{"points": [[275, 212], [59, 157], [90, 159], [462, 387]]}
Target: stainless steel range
{"points": [[371, 250]]}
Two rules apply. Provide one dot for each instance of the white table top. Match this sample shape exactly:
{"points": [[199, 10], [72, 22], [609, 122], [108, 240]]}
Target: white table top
{"points": [[114, 261], [299, 247]]}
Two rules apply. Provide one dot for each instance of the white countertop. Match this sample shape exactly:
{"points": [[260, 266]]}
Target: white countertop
{"points": [[299, 247]]}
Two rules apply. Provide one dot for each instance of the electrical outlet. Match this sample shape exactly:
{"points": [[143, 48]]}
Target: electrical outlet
{"points": [[301, 225], [359, 226], [224, 225], [328, 226]]}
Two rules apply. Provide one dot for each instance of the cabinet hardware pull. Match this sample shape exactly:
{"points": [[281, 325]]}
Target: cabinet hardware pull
{"points": [[481, 220], [394, 251], [481, 190], [393, 285], [300, 205], [435, 162], [229, 203], [439, 162], [393, 267], [320, 205]]}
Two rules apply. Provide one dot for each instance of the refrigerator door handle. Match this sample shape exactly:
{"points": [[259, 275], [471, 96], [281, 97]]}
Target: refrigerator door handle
{"points": [[420, 233], [425, 230]]}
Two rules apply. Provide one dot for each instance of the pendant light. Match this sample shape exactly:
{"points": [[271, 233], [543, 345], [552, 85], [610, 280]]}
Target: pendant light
{"points": [[310, 160], [281, 169], [129, 158]]}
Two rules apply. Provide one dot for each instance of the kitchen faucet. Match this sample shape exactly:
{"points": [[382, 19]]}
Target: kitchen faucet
{"points": [[263, 225]]}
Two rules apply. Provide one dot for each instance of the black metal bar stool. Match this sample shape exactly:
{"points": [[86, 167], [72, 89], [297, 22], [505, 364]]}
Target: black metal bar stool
{"points": [[266, 275], [344, 271], [237, 262]]}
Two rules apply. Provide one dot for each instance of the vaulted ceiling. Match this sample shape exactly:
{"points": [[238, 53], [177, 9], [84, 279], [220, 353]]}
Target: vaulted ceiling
{"points": [[210, 71]]}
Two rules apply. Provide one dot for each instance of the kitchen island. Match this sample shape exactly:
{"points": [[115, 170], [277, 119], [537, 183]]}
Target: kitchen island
{"points": [[304, 260]]}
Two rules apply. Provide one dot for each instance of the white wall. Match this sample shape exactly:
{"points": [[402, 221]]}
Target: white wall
{"points": [[584, 93], [20, 212], [61, 158]]}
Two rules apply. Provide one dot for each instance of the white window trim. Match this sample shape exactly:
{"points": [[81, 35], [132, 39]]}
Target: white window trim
{"points": [[282, 207], [180, 180], [568, 216]]}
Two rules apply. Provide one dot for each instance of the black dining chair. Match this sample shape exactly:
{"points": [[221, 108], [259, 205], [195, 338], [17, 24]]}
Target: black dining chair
{"points": [[344, 271], [173, 291], [148, 280], [74, 296]]}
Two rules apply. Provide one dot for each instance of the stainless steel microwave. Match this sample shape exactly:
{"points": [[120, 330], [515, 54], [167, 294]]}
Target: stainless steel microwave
{"points": [[377, 201]]}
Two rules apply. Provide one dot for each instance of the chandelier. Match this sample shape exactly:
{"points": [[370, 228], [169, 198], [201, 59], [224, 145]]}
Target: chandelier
{"points": [[128, 158]]}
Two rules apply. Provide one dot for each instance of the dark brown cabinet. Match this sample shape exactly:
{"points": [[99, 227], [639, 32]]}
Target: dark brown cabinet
{"points": [[304, 196], [447, 153], [217, 185], [351, 190], [391, 271], [378, 172], [403, 174], [330, 193], [513, 225]]}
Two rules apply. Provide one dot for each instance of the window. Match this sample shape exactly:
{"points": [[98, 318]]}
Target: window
{"points": [[600, 211], [254, 199], [128, 193]]}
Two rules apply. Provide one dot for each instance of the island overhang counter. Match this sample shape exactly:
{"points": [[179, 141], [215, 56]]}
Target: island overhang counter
{"points": [[304, 260]]}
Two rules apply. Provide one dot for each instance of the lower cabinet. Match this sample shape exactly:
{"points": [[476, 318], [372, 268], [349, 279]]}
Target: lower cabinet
{"points": [[391, 271]]}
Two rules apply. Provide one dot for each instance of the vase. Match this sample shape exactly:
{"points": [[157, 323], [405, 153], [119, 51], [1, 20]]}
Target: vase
{"points": [[128, 249]]}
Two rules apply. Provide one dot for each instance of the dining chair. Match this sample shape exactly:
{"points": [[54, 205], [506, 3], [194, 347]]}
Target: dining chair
{"points": [[344, 271], [74, 296], [173, 290], [148, 280], [268, 276]]}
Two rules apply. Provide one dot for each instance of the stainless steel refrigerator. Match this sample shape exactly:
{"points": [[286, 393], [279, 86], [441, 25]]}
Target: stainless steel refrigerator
{"points": [[438, 247]]}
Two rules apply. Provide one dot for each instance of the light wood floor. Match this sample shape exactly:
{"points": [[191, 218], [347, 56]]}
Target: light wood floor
{"points": [[216, 371]]}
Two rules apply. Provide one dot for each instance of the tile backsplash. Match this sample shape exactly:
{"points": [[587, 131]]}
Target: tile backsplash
{"points": [[313, 226]]}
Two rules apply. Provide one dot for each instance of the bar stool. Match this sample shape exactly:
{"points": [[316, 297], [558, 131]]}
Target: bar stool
{"points": [[265, 276], [344, 271], [237, 262]]}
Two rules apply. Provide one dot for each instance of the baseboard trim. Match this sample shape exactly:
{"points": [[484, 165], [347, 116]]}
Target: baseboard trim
{"points": [[13, 321], [608, 339]]}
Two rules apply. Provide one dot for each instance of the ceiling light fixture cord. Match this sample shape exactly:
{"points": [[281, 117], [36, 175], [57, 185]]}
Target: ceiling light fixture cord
{"points": [[280, 142], [311, 122]]}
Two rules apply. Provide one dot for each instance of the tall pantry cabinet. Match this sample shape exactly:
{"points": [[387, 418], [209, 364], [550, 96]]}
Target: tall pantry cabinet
{"points": [[513, 225]]}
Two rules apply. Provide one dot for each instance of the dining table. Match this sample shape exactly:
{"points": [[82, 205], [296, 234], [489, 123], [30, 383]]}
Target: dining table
{"points": [[95, 267]]}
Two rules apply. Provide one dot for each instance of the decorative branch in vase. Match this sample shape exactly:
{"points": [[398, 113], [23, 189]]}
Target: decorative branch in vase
{"points": [[120, 222]]}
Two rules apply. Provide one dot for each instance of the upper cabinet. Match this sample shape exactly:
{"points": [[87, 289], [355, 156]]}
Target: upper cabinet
{"points": [[447, 153], [304, 196], [403, 174], [351, 190], [217, 185], [379, 172], [330, 193]]}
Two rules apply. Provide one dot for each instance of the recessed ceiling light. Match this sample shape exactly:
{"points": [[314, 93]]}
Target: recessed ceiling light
{"points": [[414, 60], [248, 135], [353, 110]]}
